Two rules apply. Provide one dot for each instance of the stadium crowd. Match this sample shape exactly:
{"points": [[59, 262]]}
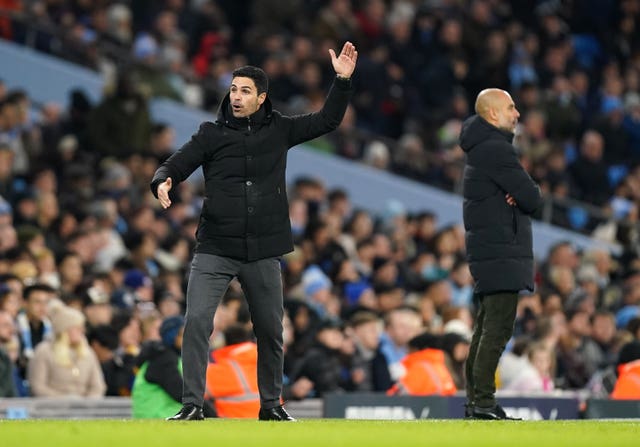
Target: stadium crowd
{"points": [[572, 69], [79, 227]]}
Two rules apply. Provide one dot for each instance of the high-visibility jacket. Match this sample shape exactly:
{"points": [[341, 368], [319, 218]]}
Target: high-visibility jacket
{"points": [[150, 400], [628, 383], [232, 381], [426, 373]]}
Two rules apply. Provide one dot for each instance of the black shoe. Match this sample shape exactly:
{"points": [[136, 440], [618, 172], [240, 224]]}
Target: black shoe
{"points": [[275, 414], [468, 410], [493, 413], [188, 412]]}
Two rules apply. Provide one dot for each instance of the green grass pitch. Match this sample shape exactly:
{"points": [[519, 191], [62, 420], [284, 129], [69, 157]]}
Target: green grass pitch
{"points": [[318, 432]]}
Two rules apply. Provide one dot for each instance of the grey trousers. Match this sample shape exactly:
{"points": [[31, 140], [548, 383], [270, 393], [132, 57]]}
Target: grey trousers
{"points": [[495, 318], [261, 282]]}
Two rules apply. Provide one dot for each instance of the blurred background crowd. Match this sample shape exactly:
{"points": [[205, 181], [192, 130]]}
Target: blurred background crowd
{"points": [[79, 225]]}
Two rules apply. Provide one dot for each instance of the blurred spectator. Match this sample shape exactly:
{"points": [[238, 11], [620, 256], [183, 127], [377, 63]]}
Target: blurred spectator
{"points": [[425, 369], [33, 324], [536, 372], [120, 124], [456, 349], [118, 373], [578, 355], [589, 171], [10, 299], [157, 389], [65, 366], [7, 375], [322, 363], [603, 332], [127, 324], [401, 325], [369, 371]]}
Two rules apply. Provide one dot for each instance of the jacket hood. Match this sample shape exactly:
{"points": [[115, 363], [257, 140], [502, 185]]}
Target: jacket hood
{"points": [[150, 350], [476, 130], [226, 117]]}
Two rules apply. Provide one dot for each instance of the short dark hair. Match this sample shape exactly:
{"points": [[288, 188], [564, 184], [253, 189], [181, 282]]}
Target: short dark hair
{"points": [[237, 333], [38, 287], [104, 335], [337, 194], [258, 75]]}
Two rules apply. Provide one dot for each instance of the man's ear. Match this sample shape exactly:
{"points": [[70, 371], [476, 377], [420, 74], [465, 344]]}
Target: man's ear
{"points": [[492, 113], [261, 97]]}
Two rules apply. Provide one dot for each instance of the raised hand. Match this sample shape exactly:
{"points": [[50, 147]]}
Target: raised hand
{"points": [[163, 193], [345, 63]]}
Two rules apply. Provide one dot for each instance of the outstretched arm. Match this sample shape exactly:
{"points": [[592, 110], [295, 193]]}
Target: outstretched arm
{"points": [[345, 63], [312, 125]]}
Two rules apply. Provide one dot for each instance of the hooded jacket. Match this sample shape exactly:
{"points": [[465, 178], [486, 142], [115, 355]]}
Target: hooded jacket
{"points": [[245, 215], [498, 236], [157, 388]]}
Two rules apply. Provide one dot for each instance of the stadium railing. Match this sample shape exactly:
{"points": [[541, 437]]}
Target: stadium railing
{"points": [[560, 405], [106, 408]]}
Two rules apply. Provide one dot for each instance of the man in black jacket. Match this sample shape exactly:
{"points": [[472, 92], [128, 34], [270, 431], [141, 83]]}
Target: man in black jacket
{"points": [[499, 197], [244, 225]]}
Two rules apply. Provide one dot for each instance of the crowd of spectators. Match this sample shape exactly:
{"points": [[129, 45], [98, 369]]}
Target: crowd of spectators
{"points": [[574, 72], [78, 223]]}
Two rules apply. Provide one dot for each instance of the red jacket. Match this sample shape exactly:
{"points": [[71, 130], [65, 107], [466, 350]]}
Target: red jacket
{"points": [[426, 373], [232, 381]]}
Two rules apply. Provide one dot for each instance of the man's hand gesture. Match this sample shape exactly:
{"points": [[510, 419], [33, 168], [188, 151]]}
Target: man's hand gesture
{"points": [[163, 193], [345, 63]]}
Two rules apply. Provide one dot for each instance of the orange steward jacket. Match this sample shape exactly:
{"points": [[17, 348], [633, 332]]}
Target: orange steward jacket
{"points": [[628, 383], [426, 373], [232, 381]]}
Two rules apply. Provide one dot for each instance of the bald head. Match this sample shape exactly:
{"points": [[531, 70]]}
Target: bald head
{"points": [[497, 108], [488, 99]]}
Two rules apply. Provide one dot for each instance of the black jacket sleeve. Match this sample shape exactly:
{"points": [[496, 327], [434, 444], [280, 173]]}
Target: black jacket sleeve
{"points": [[184, 161], [307, 127], [164, 372], [503, 167], [380, 375]]}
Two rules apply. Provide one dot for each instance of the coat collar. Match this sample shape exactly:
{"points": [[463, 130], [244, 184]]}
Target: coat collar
{"points": [[226, 118]]}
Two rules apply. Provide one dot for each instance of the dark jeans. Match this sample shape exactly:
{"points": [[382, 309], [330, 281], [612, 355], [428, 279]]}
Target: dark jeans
{"points": [[262, 285], [495, 318]]}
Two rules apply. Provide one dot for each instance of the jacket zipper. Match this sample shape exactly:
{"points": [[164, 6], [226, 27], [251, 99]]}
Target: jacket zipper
{"points": [[514, 219]]}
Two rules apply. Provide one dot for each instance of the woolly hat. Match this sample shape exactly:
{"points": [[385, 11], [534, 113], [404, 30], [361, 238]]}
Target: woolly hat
{"points": [[136, 278], [64, 317], [314, 280], [354, 290], [169, 329]]}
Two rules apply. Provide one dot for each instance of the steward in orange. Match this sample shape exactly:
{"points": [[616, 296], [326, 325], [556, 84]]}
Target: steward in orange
{"points": [[231, 380], [628, 383], [426, 371]]}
